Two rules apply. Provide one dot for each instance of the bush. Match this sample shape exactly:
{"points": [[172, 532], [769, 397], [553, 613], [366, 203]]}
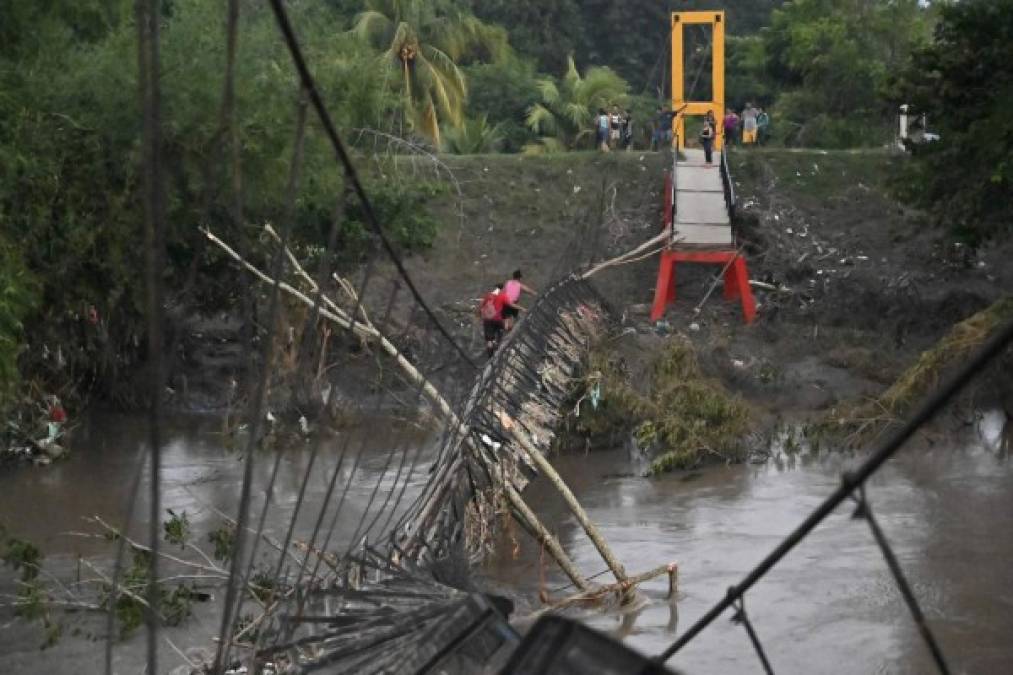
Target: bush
{"points": [[502, 92], [474, 136], [17, 299], [681, 415]]}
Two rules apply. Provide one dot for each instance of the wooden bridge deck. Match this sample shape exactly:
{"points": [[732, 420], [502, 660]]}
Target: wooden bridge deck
{"points": [[701, 217]]}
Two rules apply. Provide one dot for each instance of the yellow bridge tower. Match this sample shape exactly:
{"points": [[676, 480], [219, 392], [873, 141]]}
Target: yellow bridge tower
{"points": [[716, 20]]}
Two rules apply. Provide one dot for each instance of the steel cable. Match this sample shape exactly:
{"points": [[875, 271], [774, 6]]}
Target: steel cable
{"points": [[864, 512], [291, 190], [149, 64]]}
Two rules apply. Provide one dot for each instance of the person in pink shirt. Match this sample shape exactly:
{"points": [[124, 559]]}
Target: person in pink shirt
{"points": [[731, 126], [512, 290]]}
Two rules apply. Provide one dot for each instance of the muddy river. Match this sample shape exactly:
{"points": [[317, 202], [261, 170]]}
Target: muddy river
{"points": [[829, 607]]}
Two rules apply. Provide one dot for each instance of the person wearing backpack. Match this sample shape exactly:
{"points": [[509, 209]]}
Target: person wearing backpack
{"points": [[490, 310]]}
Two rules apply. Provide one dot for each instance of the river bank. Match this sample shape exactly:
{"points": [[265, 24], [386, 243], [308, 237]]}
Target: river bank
{"points": [[852, 286]]}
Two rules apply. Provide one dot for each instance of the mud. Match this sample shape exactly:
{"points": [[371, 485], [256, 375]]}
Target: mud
{"points": [[864, 283]]}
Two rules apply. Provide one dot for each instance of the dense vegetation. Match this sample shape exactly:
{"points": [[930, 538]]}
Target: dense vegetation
{"points": [[964, 81], [446, 75]]}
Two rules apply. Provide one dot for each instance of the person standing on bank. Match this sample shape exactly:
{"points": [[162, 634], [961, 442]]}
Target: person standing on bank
{"points": [[762, 126], [512, 290], [626, 131], [731, 127], [707, 137], [662, 136], [749, 124], [603, 130]]}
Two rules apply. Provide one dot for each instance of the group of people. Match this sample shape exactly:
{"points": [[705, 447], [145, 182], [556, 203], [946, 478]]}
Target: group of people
{"points": [[499, 310], [613, 130], [750, 128]]}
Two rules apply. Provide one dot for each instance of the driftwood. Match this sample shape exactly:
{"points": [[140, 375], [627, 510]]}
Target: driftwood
{"points": [[646, 250], [571, 501], [620, 590]]}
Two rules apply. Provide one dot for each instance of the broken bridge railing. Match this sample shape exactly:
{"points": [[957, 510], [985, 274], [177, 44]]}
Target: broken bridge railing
{"points": [[526, 382]]}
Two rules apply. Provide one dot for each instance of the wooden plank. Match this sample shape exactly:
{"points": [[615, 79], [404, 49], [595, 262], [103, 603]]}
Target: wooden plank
{"points": [[702, 233], [701, 207]]}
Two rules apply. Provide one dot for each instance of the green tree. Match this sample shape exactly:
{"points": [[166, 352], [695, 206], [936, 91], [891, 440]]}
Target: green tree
{"points": [[831, 60], [425, 41], [69, 198], [564, 118], [17, 298], [503, 92], [745, 78], [963, 80], [548, 32], [632, 37], [474, 136]]}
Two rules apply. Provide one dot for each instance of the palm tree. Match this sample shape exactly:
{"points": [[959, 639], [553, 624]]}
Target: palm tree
{"points": [[425, 42], [565, 116], [473, 137]]}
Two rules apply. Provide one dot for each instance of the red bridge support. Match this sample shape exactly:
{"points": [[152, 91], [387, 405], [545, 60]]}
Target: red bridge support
{"points": [[736, 279]]}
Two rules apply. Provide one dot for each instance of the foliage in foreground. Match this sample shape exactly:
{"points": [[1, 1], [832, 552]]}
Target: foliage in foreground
{"points": [[56, 605], [69, 200], [683, 417]]}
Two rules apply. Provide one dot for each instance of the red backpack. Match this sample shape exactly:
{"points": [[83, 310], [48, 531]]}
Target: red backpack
{"points": [[487, 310]]}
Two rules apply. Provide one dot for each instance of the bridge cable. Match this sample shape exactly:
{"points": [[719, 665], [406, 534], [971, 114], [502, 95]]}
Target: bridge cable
{"points": [[864, 512], [741, 618], [310, 86], [852, 481], [148, 17], [233, 597], [292, 188]]}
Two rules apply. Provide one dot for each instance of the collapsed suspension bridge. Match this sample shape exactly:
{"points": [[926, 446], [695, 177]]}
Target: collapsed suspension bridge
{"points": [[374, 595]]}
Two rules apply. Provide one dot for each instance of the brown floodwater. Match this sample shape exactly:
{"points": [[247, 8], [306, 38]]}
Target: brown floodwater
{"points": [[829, 607], [201, 477]]}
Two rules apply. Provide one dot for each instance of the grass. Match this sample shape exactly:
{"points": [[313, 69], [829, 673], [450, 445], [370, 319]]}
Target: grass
{"points": [[864, 420], [681, 415], [813, 174]]}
